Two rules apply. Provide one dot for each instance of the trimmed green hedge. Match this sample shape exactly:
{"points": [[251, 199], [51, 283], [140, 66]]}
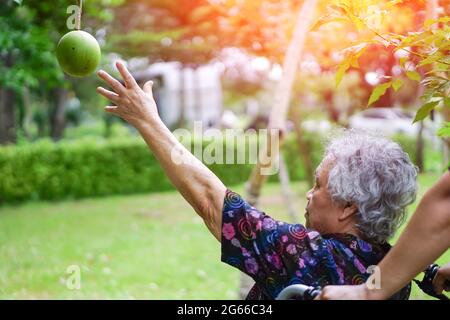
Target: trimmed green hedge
{"points": [[89, 167]]}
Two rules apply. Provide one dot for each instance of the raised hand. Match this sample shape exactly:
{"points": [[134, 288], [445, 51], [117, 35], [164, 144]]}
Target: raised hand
{"points": [[133, 104]]}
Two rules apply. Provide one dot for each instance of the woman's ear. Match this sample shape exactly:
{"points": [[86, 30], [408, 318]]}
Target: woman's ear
{"points": [[350, 210]]}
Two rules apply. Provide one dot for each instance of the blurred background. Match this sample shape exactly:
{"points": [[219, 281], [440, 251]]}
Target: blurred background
{"points": [[79, 187]]}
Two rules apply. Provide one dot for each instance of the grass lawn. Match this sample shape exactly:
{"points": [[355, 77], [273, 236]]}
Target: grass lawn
{"points": [[127, 247]]}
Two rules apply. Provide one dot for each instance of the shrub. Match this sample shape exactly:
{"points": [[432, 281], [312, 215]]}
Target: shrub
{"points": [[97, 167]]}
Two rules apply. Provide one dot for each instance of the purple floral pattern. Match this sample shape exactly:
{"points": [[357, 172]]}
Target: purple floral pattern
{"points": [[276, 254]]}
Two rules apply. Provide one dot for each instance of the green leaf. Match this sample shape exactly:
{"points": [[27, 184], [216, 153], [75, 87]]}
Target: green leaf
{"points": [[378, 91], [444, 131], [413, 75], [339, 9], [19, 2], [435, 99], [425, 110], [421, 36], [354, 62], [430, 59], [357, 22], [362, 50], [397, 84], [429, 22], [341, 71], [447, 102], [403, 60], [327, 19], [392, 3]]}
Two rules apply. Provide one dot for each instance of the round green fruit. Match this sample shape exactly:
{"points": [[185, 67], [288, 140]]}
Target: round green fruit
{"points": [[78, 53]]}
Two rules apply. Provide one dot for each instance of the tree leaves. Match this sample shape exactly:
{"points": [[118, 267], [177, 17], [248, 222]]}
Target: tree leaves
{"points": [[425, 110], [431, 58], [403, 61], [413, 75], [326, 19], [444, 131], [447, 102], [429, 22], [379, 91], [392, 3], [397, 84], [358, 22], [422, 53], [351, 60], [343, 67]]}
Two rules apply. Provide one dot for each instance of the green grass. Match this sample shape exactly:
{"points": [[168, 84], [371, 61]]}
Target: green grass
{"points": [[128, 247]]}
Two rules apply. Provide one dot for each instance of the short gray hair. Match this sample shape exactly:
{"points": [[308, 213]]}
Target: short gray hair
{"points": [[377, 176]]}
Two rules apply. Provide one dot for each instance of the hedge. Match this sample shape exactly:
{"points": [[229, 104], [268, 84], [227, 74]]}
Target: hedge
{"points": [[92, 167]]}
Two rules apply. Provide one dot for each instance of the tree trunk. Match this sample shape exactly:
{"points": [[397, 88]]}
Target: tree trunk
{"points": [[432, 13], [182, 115], [286, 191], [198, 95], [282, 97], [26, 112], [7, 103], [281, 102], [108, 122], [420, 148], [40, 120], [7, 116], [303, 148], [58, 113]]}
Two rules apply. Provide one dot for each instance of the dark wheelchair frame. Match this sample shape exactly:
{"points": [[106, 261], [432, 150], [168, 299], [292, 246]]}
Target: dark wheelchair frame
{"points": [[304, 292]]}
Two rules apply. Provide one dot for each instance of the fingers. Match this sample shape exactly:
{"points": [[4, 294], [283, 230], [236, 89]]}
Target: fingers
{"points": [[438, 284], [439, 287], [112, 96], [126, 75], [446, 286], [148, 88], [112, 109], [113, 83], [323, 295]]}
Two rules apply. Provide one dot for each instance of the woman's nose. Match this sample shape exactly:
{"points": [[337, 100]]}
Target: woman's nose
{"points": [[309, 194]]}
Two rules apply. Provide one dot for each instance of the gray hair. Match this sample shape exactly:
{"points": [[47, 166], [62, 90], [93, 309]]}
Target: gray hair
{"points": [[377, 176]]}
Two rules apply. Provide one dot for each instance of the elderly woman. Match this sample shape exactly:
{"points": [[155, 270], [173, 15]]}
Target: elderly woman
{"points": [[362, 188], [413, 251]]}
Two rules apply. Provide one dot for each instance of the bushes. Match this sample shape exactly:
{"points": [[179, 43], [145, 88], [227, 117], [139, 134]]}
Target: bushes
{"points": [[74, 169], [93, 167]]}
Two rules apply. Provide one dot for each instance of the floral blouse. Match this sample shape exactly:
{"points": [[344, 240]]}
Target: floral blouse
{"points": [[278, 254]]}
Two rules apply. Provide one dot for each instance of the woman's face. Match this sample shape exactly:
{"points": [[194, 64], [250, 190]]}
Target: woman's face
{"points": [[321, 213]]}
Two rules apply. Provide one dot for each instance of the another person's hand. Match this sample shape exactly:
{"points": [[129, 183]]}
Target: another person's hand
{"points": [[133, 104], [442, 275], [347, 292]]}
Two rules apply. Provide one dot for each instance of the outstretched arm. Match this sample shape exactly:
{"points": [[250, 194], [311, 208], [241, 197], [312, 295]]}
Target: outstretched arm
{"points": [[197, 184], [425, 238]]}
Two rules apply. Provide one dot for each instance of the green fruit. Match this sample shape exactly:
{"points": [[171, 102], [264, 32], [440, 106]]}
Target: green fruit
{"points": [[78, 53]]}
